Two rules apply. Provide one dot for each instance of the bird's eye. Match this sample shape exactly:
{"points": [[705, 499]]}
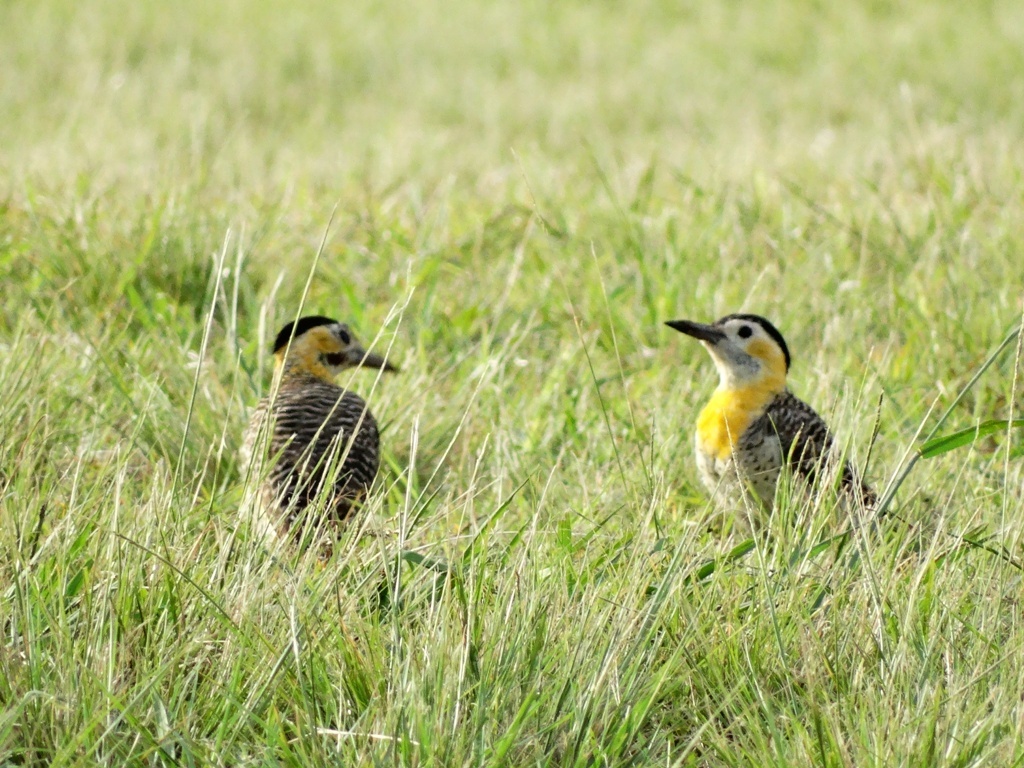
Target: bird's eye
{"points": [[344, 336], [745, 332]]}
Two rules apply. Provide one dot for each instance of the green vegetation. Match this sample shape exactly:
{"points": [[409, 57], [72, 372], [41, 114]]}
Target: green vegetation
{"points": [[513, 196]]}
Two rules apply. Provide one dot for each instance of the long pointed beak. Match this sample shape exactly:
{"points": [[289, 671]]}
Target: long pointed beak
{"points": [[360, 357], [708, 333]]}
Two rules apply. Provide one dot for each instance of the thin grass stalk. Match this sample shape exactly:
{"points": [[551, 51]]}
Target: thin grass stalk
{"points": [[894, 485]]}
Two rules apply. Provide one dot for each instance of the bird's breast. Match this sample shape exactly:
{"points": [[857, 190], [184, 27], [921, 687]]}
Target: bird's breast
{"points": [[727, 416]]}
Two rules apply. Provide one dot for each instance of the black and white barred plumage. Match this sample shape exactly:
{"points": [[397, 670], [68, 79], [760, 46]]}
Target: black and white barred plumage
{"points": [[806, 444], [322, 441]]}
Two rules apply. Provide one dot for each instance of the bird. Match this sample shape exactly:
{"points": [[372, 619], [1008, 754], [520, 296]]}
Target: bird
{"points": [[312, 439], [753, 428]]}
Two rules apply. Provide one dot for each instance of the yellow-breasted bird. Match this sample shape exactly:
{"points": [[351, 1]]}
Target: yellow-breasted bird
{"points": [[753, 426], [321, 440]]}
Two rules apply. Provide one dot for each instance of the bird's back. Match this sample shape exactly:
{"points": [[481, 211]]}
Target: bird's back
{"points": [[807, 444], [315, 424]]}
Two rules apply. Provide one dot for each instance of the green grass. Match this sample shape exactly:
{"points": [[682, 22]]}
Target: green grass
{"points": [[521, 194]]}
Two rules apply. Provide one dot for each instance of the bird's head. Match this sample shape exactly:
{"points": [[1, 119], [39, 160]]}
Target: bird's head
{"points": [[747, 350], [323, 347]]}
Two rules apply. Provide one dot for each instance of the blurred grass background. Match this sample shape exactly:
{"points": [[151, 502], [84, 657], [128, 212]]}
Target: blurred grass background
{"points": [[515, 197]]}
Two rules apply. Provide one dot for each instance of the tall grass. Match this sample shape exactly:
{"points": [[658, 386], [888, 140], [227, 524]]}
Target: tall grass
{"points": [[520, 194]]}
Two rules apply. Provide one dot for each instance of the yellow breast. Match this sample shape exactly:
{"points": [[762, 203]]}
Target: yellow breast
{"points": [[729, 414]]}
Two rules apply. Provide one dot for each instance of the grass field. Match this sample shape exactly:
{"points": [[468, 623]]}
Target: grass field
{"points": [[513, 197]]}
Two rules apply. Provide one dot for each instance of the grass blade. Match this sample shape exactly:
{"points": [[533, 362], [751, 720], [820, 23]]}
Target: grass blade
{"points": [[946, 443]]}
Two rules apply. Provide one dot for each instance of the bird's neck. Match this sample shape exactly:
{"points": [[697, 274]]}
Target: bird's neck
{"points": [[300, 363], [731, 411]]}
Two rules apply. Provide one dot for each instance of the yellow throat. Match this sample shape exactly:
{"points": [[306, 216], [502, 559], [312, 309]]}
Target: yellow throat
{"points": [[732, 410]]}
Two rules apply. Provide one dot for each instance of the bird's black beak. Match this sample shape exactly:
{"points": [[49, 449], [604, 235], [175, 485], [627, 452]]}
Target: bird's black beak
{"points": [[709, 333], [360, 357]]}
